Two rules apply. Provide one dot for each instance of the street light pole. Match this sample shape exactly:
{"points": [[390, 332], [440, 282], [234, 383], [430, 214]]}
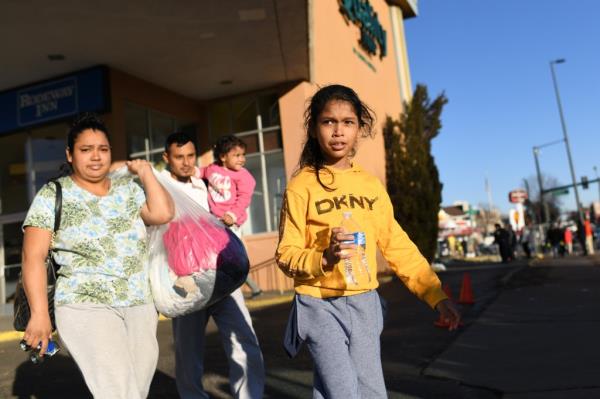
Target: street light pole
{"points": [[597, 182], [526, 185], [566, 138], [536, 151]]}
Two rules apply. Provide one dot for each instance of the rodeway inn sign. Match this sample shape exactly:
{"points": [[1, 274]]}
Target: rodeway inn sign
{"points": [[47, 101], [54, 99], [372, 34]]}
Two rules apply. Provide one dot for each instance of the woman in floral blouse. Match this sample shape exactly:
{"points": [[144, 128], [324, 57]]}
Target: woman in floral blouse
{"points": [[104, 311]]}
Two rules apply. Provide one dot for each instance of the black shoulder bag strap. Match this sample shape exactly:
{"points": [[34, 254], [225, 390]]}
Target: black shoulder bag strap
{"points": [[53, 266], [57, 205]]}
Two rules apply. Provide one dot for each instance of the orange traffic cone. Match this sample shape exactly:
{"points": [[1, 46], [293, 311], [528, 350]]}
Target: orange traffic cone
{"points": [[441, 322], [466, 291]]}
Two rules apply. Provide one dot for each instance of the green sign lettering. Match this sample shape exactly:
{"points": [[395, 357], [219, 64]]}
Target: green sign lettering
{"points": [[372, 34]]}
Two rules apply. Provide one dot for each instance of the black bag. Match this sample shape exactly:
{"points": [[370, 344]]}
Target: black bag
{"points": [[21, 306]]}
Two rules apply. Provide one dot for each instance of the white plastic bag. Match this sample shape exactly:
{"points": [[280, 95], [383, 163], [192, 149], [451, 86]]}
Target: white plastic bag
{"points": [[194, 261]]}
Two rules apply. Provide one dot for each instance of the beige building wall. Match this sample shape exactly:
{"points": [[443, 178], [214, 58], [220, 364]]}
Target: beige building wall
{"points": [[338, 58], [291, 117]]}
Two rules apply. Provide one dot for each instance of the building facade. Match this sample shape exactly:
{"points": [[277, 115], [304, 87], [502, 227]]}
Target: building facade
{"points": [[207, 68]]}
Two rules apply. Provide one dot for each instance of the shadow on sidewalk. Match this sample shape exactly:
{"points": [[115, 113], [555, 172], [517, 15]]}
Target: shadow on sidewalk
{"points": [[55, 378], [59, 378]]}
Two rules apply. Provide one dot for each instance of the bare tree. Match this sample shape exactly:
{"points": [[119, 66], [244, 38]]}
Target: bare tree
{"points": [[534, 204], [487, 218]]}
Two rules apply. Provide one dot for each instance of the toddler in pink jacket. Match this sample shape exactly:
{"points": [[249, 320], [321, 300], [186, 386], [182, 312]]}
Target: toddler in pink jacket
{"points": [[230, 185]]}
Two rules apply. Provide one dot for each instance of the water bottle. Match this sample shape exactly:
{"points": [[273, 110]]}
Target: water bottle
{"points": [[34, 355], [357, 266]]}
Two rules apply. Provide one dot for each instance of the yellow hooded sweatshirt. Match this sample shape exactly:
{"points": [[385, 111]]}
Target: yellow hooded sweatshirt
{"points": [[310, 212]]}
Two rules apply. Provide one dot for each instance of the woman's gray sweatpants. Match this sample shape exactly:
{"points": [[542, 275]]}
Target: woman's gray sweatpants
{"points": [[115, 348], [343, 336]]}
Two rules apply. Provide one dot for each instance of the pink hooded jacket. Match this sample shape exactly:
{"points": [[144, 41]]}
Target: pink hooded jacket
{"points": [[230, 192]]}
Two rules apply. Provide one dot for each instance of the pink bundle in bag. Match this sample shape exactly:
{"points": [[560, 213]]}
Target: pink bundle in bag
{"points": [[194, 245]]}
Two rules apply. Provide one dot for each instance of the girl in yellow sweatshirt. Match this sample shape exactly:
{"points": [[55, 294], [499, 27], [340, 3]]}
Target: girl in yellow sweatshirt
{"points": [[337, 310]]}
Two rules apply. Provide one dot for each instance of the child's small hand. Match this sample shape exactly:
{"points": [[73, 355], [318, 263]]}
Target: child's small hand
{"points": [[449, 313], [338, 248], [228, 220]]}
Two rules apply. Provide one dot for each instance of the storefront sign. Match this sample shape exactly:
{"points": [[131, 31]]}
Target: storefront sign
{"points": [[372, 34], [84, 91], [363, 59], [47, 101]]}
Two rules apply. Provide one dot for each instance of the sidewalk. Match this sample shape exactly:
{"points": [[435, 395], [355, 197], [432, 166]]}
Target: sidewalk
{"points": [[538, 339]]}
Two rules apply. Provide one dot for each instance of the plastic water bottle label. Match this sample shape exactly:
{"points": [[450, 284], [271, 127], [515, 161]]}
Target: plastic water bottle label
{"points": [[359, 238], [52, 349]]}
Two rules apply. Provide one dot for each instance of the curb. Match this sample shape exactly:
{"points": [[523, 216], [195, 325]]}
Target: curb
{"points": [[7, 336], [518, 269], [508, 276]]}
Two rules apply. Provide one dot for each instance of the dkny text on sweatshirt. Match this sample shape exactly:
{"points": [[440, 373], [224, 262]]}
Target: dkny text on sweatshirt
{"points": [[310, 212]]}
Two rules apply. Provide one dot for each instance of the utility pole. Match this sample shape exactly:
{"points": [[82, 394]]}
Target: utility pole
{"points": [[528, 201], [526, 185], [597, 182], [536, 151], [566, 138]]}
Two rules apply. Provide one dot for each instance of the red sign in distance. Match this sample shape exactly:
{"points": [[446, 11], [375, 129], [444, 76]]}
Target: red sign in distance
{"points": [[517, 196]]}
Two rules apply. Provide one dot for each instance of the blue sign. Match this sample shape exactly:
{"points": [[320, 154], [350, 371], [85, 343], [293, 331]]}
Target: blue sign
{"points": [[372, 34], [29, 106], [47, 101]]}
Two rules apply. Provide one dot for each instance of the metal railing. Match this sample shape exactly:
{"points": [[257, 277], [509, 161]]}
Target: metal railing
{"points": [[7, 219]]}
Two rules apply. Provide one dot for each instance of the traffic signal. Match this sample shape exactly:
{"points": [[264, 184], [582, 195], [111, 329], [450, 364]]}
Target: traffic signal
{"points": [[584, 182]]}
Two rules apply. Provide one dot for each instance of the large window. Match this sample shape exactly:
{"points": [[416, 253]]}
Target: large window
{"points": [[147, 131], [255, 119], [27, 161]]}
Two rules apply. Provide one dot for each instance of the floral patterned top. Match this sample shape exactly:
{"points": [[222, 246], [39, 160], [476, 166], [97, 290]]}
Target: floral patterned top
{"points": [[101, 244]]}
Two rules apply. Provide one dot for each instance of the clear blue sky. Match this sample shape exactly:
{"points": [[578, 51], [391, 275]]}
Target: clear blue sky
{"points": [[491, 58]]}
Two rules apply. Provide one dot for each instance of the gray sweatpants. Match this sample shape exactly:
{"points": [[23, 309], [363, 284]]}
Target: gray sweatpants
{"points": [[115, 348], [343, 337]]}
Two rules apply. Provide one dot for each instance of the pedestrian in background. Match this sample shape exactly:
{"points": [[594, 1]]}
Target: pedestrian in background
{"points": [[501, 238], [246, 368], [464, 246], [512, 241], [104, 310], [527, 240], [581, 237], [589, 238], [554, 239], [568, 239], [452, 245], [341, 323]]}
